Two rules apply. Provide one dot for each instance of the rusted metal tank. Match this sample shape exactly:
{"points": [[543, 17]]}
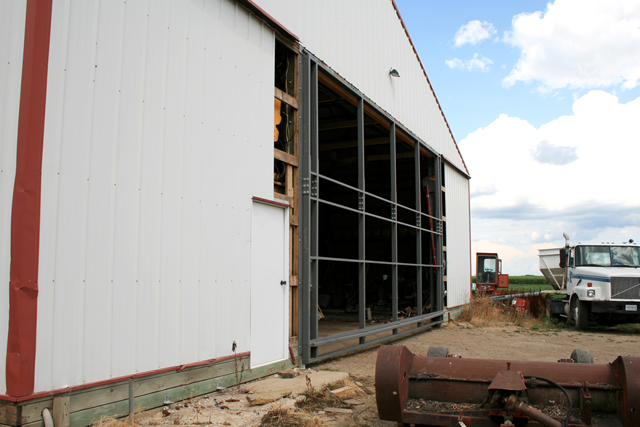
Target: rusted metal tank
{"points": [[453, 391]]}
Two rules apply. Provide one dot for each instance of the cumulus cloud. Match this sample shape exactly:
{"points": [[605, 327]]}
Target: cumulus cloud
{"points": [[478, 62], [575, 174], [473, 33], [578, 44], [546, 152]]}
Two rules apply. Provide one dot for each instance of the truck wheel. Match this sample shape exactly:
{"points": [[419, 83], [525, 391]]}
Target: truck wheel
{"points": [[581, 355], [580, 313], [438, 351], [548, 311]]}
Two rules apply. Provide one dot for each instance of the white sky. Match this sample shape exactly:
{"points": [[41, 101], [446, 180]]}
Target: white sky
{"points": [[557, 148]]}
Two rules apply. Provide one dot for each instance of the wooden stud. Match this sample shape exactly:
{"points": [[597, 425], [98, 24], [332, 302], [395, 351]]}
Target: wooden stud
{"points": [[32, 411], [286, 98], [98, 396], [283, 197], [61, 411], [287, 158], [9, 414]]}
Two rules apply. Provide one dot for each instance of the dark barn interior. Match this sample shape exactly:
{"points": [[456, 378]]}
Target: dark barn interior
{"points": [[340, 210]]}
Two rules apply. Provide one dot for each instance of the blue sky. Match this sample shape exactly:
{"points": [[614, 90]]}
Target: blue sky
{"points": [[543, 99]]}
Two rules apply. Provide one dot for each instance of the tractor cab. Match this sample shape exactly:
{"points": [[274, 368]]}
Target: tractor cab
{"points": [[489, 277]]}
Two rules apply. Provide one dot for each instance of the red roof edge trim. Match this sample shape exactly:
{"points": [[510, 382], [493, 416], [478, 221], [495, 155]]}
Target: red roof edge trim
{"points": [[406, 31], [453, 165], [249, 4], [25, 211]]}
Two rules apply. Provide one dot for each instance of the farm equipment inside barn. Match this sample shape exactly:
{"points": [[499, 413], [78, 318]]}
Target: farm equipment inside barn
{"points": [[440, 390]]}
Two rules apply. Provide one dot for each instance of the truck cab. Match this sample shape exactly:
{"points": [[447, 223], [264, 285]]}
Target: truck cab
{"points": [[489, 277], [602, 280]]}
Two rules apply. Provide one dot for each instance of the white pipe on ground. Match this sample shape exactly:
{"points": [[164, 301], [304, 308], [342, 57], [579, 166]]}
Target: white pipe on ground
{"points": [[47, 418]]}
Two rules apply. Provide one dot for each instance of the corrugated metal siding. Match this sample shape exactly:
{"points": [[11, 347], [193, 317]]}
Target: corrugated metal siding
{"points": [[158, 130], [361, 40], [12, 20], [458, 232]]}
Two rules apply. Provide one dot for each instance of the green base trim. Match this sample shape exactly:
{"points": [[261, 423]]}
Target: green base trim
{"points": [[89, 405]]}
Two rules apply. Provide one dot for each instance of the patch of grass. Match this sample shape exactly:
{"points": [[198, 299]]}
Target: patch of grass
{"points": [[528, 280], [529, 287], [633, 328], [549, 325]]}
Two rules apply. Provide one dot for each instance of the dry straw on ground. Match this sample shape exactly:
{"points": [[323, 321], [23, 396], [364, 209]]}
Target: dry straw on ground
{"points": [[284, 417], [112, 422], [483, 311]]}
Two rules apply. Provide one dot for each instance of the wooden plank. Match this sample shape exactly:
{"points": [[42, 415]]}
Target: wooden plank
{"points": [[9, 414], [286, 98], [150, 385], [287, 158], [338, 87], [294, 281], [283, 197], [88, 416], [288, 184], [293, 221], [32, 411], [115, 392], [39, 423], [98, 396], [61, 411], [156, 399]]}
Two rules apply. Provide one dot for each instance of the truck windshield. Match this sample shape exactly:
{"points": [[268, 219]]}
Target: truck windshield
{"points": [[606, 256]]}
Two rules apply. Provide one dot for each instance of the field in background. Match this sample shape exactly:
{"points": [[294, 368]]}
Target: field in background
{"points": [[526, 283]]}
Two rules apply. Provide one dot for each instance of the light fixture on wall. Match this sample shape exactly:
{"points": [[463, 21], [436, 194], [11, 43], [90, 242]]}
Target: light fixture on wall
{"points": [[394, 73]]}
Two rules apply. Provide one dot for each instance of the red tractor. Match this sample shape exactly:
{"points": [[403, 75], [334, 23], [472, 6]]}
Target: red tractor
{"points": [[489, 277]]}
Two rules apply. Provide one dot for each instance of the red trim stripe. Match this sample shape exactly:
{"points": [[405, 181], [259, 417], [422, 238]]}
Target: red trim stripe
{"points": [[25, 214], [271, 202]]}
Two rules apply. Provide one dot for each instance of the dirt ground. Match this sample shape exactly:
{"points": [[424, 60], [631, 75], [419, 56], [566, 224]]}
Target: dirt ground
{"points": [[508, 341]]}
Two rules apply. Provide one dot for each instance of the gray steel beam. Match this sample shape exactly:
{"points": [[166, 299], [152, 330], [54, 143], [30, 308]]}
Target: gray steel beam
{"points": [[304, 254], [419, 223], [372, 330], [434, 322], [362, 280], [439, 237], [314, 205], [394, 224]]}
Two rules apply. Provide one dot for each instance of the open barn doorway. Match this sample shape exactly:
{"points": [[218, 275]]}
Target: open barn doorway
{"points": [[373, 258]]}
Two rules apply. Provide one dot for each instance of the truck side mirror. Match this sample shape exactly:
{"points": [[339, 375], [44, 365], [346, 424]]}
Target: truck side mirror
{"points": [[563, 258]]}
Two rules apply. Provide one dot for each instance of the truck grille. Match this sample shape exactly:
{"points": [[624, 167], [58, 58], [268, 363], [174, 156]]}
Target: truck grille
{"points": [[625, 288]]}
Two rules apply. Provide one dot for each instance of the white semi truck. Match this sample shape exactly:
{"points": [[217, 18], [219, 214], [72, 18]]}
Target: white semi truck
{"points": [[601, 281]]}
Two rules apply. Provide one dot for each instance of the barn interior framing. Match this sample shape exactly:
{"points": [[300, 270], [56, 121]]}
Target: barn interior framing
{"points": [[371, 221]]}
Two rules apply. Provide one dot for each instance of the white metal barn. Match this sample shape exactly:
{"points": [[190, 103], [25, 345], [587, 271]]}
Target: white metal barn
{"points": [[189, 190]]}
